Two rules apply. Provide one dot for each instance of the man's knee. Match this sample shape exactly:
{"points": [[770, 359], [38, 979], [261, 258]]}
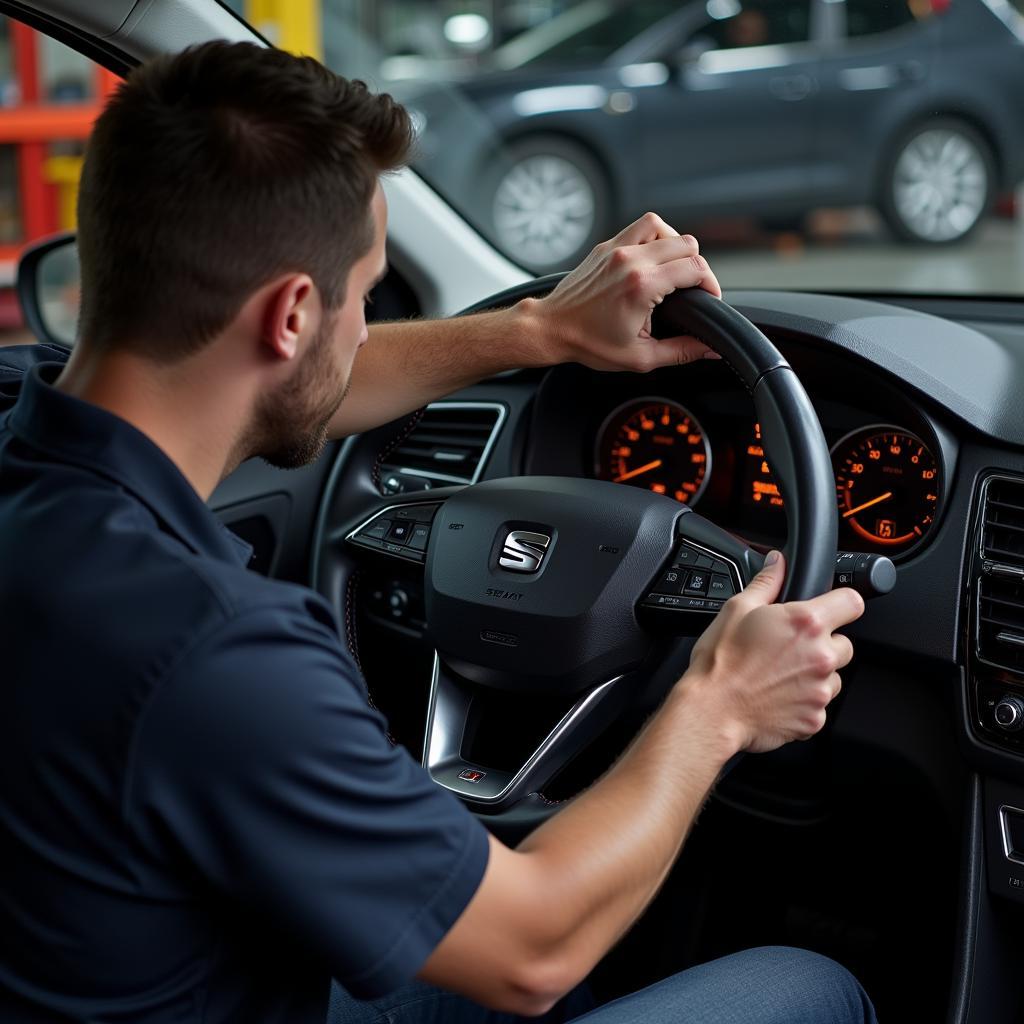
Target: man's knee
{"points": [[803, 985]]}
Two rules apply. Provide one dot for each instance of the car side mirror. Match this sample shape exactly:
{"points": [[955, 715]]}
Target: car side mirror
{"points": [[49, 289]]}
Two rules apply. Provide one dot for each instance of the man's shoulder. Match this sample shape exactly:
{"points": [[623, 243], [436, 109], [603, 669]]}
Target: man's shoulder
{"points": [[16, 361]]}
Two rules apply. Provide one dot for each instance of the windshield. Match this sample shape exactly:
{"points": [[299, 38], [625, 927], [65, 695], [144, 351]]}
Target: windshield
{"points": [[593, 32], [840, 145]]}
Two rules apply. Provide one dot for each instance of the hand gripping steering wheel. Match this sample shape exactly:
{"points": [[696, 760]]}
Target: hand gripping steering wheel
{"points": [[558, 586]]}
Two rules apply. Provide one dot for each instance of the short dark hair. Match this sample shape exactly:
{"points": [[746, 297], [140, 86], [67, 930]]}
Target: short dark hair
{"points": [[214, 170]]}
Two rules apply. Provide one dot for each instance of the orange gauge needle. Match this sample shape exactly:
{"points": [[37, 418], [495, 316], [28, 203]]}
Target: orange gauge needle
{"points": [[867, 504], [643, 469]]}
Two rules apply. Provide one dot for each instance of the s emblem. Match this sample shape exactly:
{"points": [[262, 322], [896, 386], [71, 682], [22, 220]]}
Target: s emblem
{"points": [[524, 551]]}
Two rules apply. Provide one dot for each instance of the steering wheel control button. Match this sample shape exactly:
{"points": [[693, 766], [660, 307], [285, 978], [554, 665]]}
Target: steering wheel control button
{"points": [[666, 601], [697, 583], [416, 513], [696, 604], [870, 575], [704, 562], [377, 530], [721, 587], [399, 532], [685, 557], [472, 775], [419, 537], [671, 582]]}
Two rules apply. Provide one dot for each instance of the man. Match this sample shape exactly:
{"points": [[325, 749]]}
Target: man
{"points": [[203, 820]]}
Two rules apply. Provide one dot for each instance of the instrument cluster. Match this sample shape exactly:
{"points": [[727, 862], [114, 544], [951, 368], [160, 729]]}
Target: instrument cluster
{"points": [[888, 478]]}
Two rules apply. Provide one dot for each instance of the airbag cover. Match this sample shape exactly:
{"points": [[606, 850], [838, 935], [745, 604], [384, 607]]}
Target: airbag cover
{"points": [[567, 625]]}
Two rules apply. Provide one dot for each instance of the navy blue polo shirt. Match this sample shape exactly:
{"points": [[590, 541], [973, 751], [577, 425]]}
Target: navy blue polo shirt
{"points": [[200, 817]]}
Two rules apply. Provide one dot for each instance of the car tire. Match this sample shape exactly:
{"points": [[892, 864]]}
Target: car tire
{"points": [[547, 203], [938, 183]]}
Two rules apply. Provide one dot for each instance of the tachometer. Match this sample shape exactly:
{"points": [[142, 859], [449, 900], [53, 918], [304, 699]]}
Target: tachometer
{"points": [[656, 444], [887, 484]]}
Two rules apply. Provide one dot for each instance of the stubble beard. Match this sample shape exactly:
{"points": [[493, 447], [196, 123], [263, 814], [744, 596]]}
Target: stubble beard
{"points": [[293, 422]]}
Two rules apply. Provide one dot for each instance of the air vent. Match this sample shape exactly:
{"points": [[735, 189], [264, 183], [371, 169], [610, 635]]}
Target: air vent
{"points": [[1003, 538], [1001, 585], [450, 445]]}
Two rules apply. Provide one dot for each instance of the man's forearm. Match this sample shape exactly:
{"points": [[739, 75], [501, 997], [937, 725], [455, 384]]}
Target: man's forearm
{"points": [[409, 363], [599, 315], [606, 854], [549, 910]]}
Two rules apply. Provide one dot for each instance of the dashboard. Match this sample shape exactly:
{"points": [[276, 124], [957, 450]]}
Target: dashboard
{"points": [[690, 433]]}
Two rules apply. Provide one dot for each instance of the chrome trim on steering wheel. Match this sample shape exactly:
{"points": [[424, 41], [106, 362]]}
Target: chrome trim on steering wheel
{"points": [[447, 715]]}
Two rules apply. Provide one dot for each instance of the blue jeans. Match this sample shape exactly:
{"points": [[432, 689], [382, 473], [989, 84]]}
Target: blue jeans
{"points": [[770, 985]]}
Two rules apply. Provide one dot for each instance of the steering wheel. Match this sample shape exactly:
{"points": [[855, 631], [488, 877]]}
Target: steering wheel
{"points": [[546, 587]]}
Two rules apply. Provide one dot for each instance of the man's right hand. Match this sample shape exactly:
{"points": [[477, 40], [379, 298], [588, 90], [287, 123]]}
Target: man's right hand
{"points": [[547, 911], [766, 672]]}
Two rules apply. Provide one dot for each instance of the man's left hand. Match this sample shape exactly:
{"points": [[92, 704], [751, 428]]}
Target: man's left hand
{"points": [[600, 313]]}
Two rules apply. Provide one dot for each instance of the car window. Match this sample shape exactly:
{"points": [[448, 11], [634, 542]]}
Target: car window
{"points": [[819, 173], [826, 168], [869, 17], [49, 97], [738, 24], [605, 29]]}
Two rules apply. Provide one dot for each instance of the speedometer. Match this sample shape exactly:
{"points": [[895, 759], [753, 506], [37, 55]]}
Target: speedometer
{"points": [[656, 444], [887, 485]]}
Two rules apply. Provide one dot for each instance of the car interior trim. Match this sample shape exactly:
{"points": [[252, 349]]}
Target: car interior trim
{"points": [[447, 714]]}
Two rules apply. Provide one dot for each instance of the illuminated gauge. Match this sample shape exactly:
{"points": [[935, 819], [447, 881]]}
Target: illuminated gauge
{"points": [[887, 483], [655, 444]]}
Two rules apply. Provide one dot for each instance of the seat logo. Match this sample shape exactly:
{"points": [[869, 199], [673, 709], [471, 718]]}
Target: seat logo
{"points": [[524, 551]]}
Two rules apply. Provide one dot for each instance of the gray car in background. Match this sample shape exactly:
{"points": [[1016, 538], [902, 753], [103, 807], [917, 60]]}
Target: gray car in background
{"points": [[723, 108]]}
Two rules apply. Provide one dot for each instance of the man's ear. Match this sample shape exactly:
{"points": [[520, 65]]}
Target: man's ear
{"points": [[287, 312]]}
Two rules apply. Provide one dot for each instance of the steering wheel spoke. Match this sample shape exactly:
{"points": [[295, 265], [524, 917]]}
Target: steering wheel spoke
{"points": [[399, 530], [494, 789], [707, 567]]}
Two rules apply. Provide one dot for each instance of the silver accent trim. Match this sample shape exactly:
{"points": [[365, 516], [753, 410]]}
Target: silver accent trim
{"points": [[484, 455], [1011, 572], [1005, 832], [447, 714], [641, 400]]}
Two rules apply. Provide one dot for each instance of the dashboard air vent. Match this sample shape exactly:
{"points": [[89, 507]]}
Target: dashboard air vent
{"points": [[1001, 585], [449, 445]]}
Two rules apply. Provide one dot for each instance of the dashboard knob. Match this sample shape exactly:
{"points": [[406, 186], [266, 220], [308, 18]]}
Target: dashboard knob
{"points": [[1009, 714], [398, 602]]}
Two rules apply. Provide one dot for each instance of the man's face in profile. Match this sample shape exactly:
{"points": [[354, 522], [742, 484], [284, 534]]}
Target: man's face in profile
{"points": [[292, 421]]}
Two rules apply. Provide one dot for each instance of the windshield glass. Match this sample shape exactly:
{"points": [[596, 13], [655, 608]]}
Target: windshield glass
{"points": [[593, 31], [843, 145]]}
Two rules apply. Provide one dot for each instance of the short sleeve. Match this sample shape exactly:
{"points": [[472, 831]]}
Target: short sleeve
{"points": [[261, 765]]}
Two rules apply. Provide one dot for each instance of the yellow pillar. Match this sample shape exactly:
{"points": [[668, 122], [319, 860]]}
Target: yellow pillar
{"points": [[64, 172], [293, 25]]}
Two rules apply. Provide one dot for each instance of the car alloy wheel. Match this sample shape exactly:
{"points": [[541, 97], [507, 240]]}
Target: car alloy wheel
{"points": [[544, 211], [941, 182]]}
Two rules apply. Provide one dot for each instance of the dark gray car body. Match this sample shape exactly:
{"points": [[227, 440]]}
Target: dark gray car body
{"points": [[771, 131]]}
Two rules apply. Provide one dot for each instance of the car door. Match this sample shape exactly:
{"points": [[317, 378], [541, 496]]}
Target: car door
{"points": [[731, 130], [872, 82]]}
